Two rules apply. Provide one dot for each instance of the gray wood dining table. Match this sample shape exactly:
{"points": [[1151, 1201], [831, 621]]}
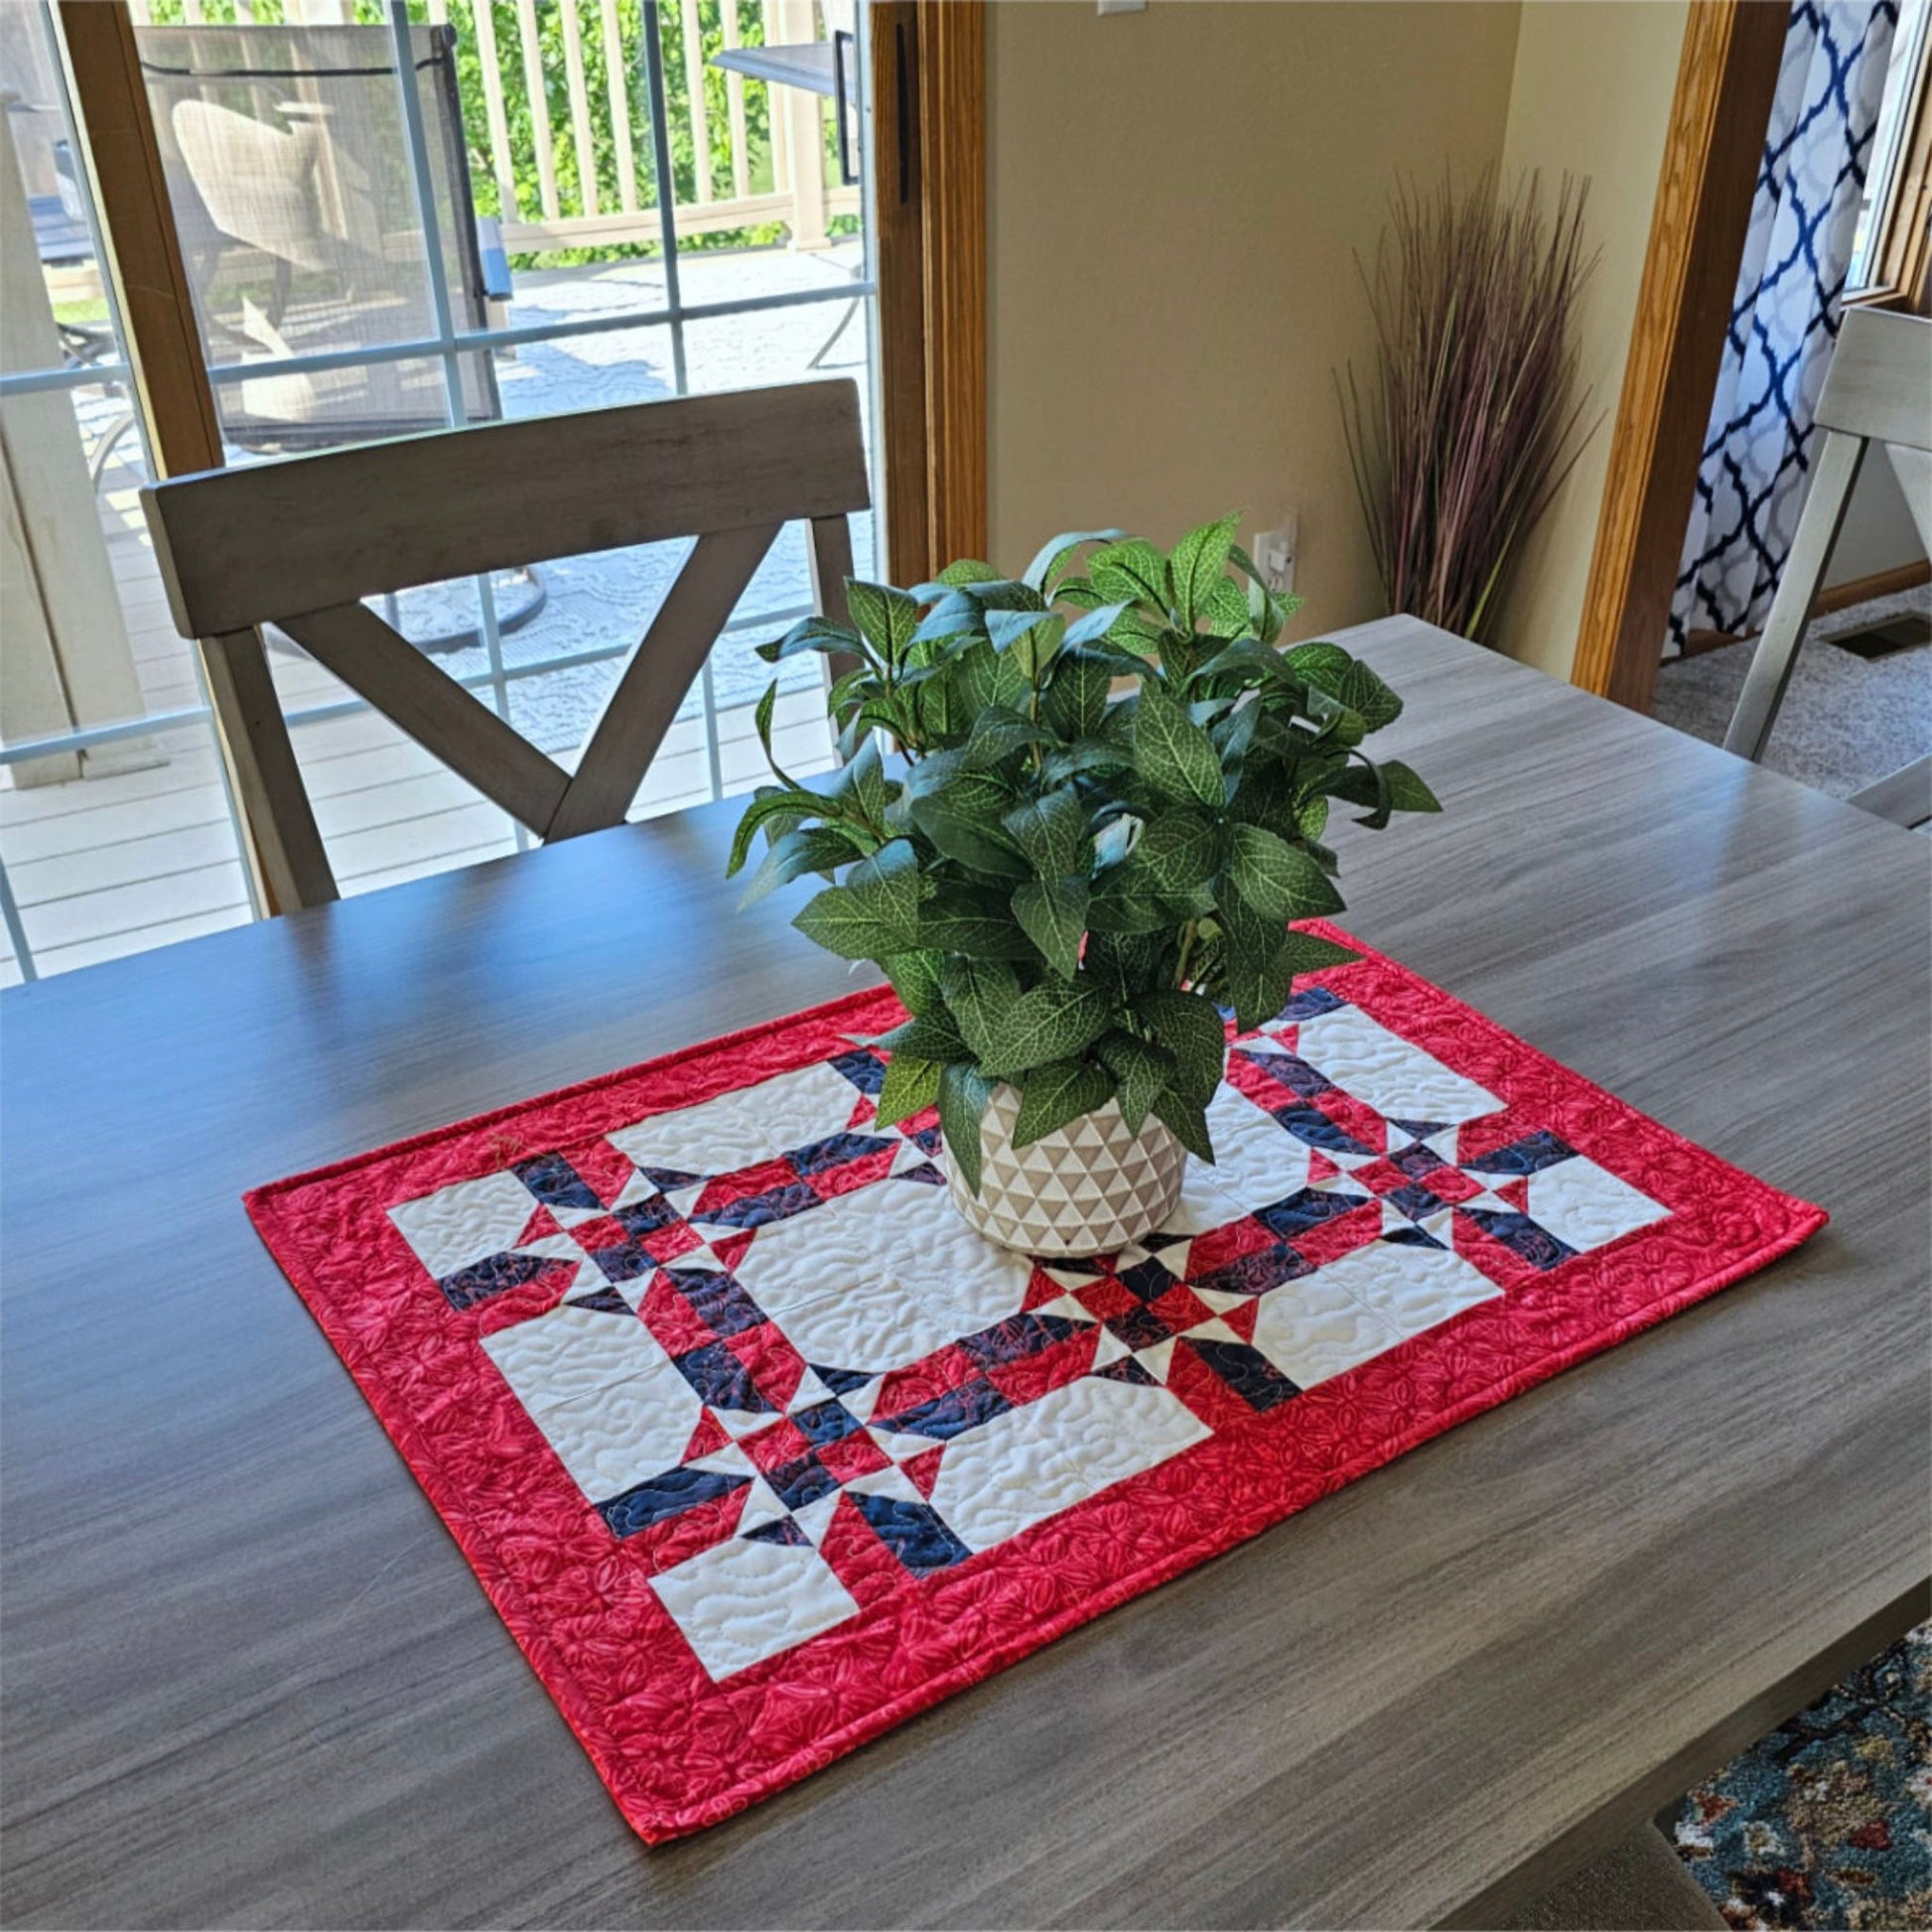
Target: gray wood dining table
{"points": [[246, 1679]]}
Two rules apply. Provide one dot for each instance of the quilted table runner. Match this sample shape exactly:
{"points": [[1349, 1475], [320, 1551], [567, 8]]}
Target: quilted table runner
{"points": [[758, 1449]]}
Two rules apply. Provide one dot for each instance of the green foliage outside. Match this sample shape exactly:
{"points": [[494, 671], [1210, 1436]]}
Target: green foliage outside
{"points": [[568, 161], [1065, 887]]}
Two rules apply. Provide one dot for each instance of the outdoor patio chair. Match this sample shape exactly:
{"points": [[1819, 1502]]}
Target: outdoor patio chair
{"points": [[1878, 390], [287, 159], [301, 542]]}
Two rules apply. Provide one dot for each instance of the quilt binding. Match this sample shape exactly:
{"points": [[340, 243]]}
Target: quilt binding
{"points": [[657, 1823]]}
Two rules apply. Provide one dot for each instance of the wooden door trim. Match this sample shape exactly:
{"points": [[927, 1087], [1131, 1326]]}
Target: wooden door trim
{"points": [[929, 62], [1725, 79], [150, 276]]}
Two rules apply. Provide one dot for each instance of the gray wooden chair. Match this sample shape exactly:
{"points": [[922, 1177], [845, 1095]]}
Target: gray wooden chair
{"points": [[299, 542], [1878, 390]]}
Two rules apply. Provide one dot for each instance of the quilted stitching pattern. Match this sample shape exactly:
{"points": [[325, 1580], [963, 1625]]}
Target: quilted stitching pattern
{"points": [[759, 1446]]}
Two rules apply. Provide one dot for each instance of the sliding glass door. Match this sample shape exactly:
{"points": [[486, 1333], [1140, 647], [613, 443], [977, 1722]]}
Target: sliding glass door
{"points": [[396, 217]]}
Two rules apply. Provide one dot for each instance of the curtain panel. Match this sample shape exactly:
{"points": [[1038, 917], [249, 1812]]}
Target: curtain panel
{"points": [[1784, 317]]}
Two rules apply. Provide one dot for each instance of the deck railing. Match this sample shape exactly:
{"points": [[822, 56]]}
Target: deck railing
{"points": [[556, 113]]}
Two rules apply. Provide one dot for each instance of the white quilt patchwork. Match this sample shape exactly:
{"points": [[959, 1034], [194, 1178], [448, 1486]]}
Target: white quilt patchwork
{"points": [[826, 1350]]}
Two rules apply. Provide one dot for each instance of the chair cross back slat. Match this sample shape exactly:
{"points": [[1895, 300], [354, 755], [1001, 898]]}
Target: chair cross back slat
{"points": [[1878, 390], [301, 542]]}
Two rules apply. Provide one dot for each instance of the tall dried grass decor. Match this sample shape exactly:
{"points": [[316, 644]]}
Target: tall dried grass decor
{"points": [[1473, 417]]}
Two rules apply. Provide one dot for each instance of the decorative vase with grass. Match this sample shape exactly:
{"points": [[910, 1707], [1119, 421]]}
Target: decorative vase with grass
{"points": [[1103, 806]]}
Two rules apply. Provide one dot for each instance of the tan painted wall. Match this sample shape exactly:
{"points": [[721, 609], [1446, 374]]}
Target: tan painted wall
{"points": [[1592, 95], [1174, 199]]}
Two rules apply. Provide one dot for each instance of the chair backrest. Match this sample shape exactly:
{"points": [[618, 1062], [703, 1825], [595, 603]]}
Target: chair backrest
{"points": [[287, 148], [299, 542], [1878, 390]]}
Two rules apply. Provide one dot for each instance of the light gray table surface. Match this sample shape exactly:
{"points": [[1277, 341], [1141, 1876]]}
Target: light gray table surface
{"points": [[246, 1679]]}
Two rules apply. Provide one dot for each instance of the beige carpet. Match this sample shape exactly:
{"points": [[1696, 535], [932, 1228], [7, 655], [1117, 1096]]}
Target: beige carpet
{"points": [[1847, 720]]}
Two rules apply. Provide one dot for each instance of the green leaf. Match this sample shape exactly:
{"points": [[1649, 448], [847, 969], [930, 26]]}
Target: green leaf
{"points": [[1187, 1120], [969, 570], [1118, 906], [887, 618], [1052, 831], [811, 634], [910, 1086], [1006, 594], [1368, 697], [1256, 970], [1174, 753], [997, 734], [954, 615], [1309, 952], [876, 910], [960, 811], [1320, 664], [1126, 964], [978, 993], [1179, 850], [1140, 1070], [963, 1093], [1013, 684], [1198, 563], [1053, 1021], [1059, 1092], [1032, 640], [916, 979], [768, 806], [863, 784], [1075, 700], [1084, 754], [1280, 880], [977, 933], [935, 1039], [1095, 626], [1133, 571], [1407, 792], [1225, 614], [1045, 567], [1247, 655], [1053, 913], [761, 723], [1190, 1027], [976, 676], [1376, 781], [810, 848]]}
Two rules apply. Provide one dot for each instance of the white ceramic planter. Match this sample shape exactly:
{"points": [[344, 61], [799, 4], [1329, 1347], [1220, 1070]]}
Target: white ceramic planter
{"points": [[1088, 1188]]}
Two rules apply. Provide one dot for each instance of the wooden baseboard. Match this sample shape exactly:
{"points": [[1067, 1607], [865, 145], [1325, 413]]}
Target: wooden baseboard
{"points": [[1862, 589], [1836, 597]]}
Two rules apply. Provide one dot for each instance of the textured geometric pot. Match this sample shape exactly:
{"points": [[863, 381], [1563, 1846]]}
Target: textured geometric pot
{"points": [[1087, 1189]]}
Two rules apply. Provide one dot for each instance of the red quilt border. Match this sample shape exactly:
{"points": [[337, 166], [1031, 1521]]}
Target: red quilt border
{"points": [[1794, 1221]]}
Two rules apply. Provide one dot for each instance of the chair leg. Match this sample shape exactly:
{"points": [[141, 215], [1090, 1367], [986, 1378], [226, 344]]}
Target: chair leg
{"points": [[1804, 569], [267, 781]]}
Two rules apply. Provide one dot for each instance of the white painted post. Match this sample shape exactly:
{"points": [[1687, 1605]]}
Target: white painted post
{"points": [[801, 128]]}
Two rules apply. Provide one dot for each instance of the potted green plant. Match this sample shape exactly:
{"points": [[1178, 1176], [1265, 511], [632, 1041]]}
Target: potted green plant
{"points": [[1065, 881]]}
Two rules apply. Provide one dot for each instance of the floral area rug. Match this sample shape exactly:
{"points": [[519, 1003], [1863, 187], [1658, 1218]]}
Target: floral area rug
{"points": [[1828, 1821]]}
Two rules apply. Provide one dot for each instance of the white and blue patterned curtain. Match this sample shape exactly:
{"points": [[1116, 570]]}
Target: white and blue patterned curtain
{"points": [[1784, 317]]}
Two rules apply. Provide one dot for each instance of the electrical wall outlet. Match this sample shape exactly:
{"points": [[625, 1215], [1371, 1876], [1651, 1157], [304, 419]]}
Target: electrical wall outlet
{"points": [[1273, 551]]}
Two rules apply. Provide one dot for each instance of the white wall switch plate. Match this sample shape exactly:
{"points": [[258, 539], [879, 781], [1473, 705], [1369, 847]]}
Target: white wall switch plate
{"points": [[1273, 551]]}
